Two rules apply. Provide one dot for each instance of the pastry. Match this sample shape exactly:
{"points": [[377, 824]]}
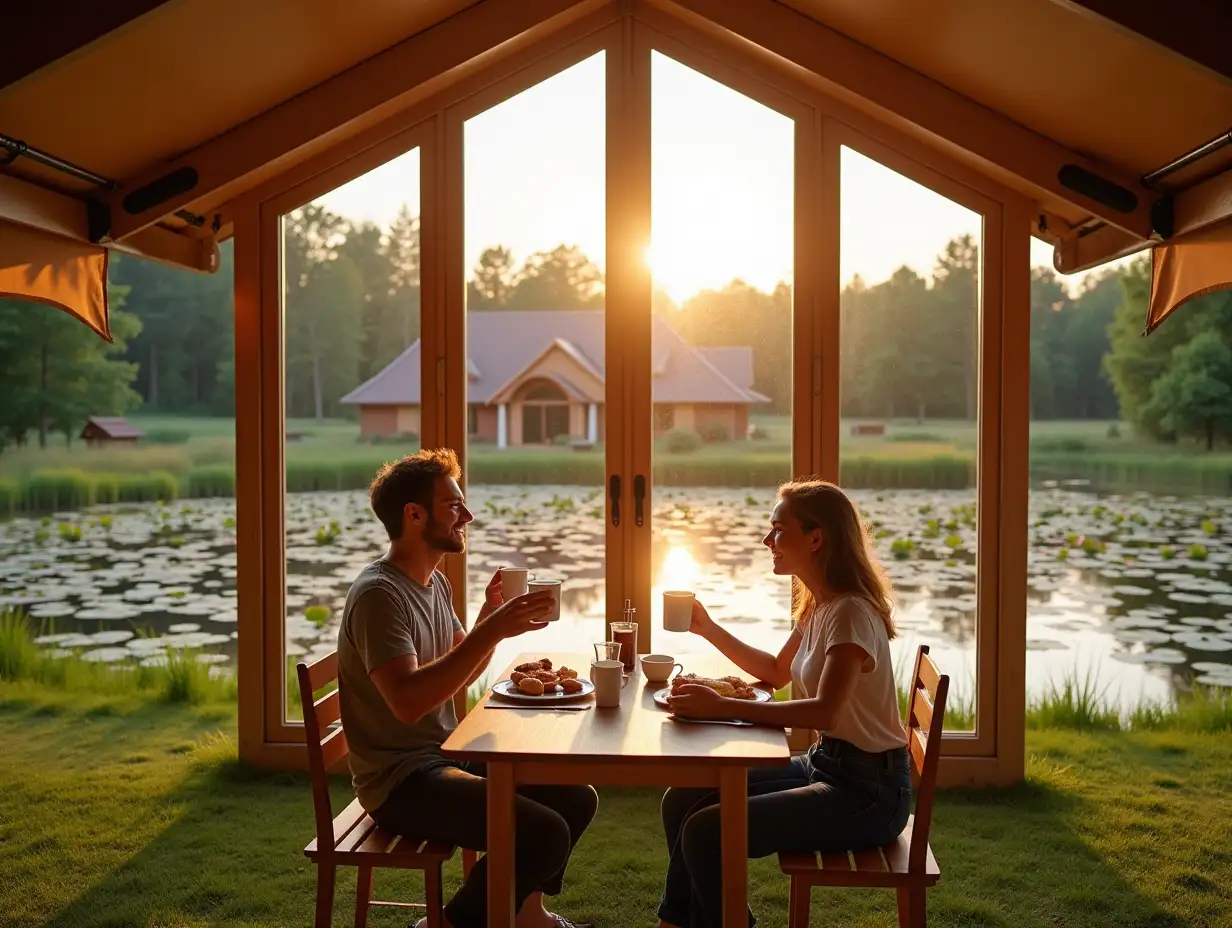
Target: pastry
{"points": [[531, 686], [571, 685]]}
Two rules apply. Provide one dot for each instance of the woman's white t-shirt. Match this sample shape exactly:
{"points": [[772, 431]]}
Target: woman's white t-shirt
{"points": [[870, 720]]}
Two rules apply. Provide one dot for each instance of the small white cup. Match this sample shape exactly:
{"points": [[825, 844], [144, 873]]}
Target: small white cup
{"points": [[553, 585], [657, 668], [513, 582], [608, 678], [677, 610]]}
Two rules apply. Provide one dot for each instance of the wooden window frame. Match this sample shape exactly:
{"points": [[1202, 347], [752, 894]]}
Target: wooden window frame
{"points": [[627, 32]]}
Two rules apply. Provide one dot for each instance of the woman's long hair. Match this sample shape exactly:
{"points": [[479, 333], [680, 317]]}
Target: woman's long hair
{"points": [[846, 563]]}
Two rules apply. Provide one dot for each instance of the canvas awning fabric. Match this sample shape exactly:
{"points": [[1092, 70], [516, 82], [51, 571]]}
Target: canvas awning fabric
{"points": [[1184, 270], [55, 270]]}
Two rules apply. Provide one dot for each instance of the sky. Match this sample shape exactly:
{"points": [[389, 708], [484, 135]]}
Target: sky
{"points": [[722, 183]]}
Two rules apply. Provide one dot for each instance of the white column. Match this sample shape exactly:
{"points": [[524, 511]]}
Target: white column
{"points": [[502, 426], [592, 423]]}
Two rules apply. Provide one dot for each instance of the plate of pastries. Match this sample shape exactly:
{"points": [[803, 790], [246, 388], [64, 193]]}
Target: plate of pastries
{"points": [[540, 682], [731, 687]]}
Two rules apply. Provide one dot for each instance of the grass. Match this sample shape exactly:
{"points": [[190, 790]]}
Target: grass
{"points": [[180, 678], [121, 813], [327, 456]]}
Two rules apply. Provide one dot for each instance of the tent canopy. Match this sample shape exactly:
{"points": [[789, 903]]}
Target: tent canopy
{"points": [[1069, 101]]}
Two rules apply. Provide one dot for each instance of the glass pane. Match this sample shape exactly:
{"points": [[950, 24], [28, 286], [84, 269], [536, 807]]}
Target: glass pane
{"points": [[117, 474], [1128, 595], [910, 305], [535, 241], [351, 321], [721, 255]]}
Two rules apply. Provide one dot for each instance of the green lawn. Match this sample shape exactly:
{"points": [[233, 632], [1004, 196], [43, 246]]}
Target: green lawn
{"points": [[116, 810], [195, 457]]}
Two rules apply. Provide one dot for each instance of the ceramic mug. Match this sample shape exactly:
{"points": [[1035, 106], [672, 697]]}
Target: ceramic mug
{"points": [[677, 610], [657, 668], [513, 582], [608, 678], [553, 585]]}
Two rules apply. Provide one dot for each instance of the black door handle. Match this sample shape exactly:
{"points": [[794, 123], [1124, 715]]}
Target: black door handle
{"points": [[613, 492], [639, 499]]}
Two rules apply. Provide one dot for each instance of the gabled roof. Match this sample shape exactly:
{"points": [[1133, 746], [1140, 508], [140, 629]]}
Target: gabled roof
{"points": [[114, 427], [505, 345]]}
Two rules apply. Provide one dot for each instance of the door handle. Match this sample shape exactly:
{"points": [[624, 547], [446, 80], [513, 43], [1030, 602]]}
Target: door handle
{"points": [[639, 499], [613, 492]]}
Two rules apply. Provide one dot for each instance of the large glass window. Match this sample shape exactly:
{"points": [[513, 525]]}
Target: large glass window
{"points": [[721, 256], [350, 263], [910, 269], [536, 390]]}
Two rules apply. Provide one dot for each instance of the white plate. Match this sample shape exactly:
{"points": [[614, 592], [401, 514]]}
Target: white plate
{"points": [[761, 695], [507, 690]]}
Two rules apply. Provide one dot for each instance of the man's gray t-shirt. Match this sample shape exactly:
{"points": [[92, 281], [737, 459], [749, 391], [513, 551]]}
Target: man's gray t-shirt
{"points": [[388, 615]]}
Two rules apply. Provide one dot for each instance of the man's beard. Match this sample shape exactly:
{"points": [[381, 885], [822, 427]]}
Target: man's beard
{"points": [[443, 541]]}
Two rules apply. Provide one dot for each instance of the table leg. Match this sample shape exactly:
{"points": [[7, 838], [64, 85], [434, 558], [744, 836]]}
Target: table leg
{"points": [[500, 844], [734, 821]]}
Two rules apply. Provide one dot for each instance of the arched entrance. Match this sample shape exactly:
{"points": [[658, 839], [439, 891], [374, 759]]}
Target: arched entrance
{"points": [[545, 413]]}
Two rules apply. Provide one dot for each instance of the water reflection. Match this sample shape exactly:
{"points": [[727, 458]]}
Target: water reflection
{"points": [[1136, 590]]}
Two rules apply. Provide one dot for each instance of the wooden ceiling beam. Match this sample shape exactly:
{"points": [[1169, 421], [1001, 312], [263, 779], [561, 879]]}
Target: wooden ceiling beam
{"points": [[327, 108], [1196, 31], [37, 34], [863, 77]]}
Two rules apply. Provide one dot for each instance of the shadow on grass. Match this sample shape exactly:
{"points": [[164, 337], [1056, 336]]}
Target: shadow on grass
{"points": [[230, 853]]}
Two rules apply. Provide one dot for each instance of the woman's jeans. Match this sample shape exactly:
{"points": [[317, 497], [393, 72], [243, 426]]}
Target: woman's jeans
{"points": [[835, 798]]}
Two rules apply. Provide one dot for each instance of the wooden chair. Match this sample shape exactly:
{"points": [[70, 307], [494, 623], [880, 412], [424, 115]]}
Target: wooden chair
{"points": [[353, 838], [907, 864]]}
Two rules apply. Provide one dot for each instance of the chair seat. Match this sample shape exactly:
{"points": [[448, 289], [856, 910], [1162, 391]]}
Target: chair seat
{"points": [[358, 839], [878, 866]]}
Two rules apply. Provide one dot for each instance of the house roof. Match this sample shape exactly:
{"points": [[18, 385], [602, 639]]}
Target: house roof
{"points": [[506, 344], [114, 427]]}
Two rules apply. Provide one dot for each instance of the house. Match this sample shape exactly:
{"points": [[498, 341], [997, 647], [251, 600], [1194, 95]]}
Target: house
{"points": [[536, 377], [110, 430]]}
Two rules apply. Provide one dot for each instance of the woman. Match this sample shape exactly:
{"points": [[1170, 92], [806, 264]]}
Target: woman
{"points": [[853, 787]]}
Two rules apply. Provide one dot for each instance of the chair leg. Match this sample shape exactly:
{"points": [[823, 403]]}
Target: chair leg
{"points": [[469, 857], [363, 896], [800, 901], [433, 901], [325, 895], [911, 907]]}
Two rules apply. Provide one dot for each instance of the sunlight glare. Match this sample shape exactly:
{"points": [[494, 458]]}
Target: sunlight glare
{"points": [[680, 569]]}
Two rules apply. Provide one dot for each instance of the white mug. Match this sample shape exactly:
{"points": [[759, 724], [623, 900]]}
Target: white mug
{"points": [[608, 678], [657, 668], [554, 586], [513, 582], [677, 610]]}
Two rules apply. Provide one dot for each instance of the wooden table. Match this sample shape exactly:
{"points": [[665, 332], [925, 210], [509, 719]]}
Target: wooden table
{"points": [[635, 744]]}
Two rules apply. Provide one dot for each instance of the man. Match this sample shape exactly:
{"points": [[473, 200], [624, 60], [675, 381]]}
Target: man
{"points": [[402, 655]]}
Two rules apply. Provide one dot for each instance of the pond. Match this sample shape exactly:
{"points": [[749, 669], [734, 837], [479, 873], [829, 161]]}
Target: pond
{"points": [[1134, 591]]}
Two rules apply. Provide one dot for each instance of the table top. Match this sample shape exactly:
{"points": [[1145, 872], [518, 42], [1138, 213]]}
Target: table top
{"points": [[637, 732]]}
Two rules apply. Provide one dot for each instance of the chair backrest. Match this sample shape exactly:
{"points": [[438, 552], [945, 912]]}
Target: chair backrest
{"points": [[327, 744], [925, 723]]}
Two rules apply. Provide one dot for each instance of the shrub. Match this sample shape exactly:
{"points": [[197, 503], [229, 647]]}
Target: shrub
{"points": [[682, 441], [168, 436], [215, 480], [1066, 444], [1114, 430], [10, 497], [19, 655], [51, 490], [715, 432], [563, 440], [757, 433]]}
